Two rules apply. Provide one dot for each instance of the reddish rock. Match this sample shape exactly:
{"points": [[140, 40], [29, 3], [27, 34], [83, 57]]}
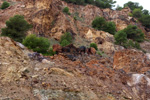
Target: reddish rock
{"points": [[57, 48], [130, 61], [92, 50]]}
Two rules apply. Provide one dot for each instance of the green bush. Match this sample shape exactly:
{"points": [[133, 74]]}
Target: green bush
{"points": [[50, 52], [134, 33], [131, 32], [101, 24], [110, 27], [64, 43], [145, 20], [5, 5], [119, 8], [121, 38], [98, 3], [133, 5], [104, 3], [67, 36], [16, 28], [137, 45], [66, 10], [130, 43], [94, 45], [137, 13], [145, 12], [37, 44]]}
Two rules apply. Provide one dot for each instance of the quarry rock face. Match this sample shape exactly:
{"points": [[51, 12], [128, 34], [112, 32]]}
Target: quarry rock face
{"points": [[76, 72], [48, 19], [89, 77], [131, 61]]}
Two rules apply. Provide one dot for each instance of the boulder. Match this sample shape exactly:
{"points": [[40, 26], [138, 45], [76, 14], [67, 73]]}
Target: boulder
{"points": [[57, 48], [92, 50]]}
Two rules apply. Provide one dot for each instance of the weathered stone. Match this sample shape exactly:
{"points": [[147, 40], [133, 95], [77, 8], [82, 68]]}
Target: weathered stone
{"points": [[57, 48], [130, 60]]}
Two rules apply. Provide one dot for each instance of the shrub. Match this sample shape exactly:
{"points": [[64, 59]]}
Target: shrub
{"points": [[89, 1], [145, 12], [64, 43], [134, 33], [66, 10], [119, 8], [121, 38], [145, 20], [137, 45], [130, 43], [98, 3], [37, 44], [133, 5], [5, 5], [51, 52], [104, 3], [67, 36], [130, 14], [16, 28], [110, 27], [94, 45], [101, 24], [137, 13]]}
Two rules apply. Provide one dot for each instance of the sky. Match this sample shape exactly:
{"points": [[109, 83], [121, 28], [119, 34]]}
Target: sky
{"points": [[144, 3]]}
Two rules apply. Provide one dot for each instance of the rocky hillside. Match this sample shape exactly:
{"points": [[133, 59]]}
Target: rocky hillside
{"points": [[121, 74], [48, 19], [90, 77]]}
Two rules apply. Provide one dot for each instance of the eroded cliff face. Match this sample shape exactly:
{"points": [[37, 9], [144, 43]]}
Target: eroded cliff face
{"points": [[49, 20], [90, 77]]}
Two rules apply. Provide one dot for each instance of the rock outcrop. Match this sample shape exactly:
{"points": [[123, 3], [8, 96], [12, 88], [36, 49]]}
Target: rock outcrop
{"points": [[48, 19], [76, 72], [131, 61]]}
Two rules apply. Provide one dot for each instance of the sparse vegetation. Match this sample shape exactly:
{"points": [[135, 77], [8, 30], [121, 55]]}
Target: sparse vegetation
{"points": [[16, 28], [121, 38], [94, 45], [98, 3], [66, 10], [50, 52], [131, 32], [119, 8], [133, 5], [110, 27], [145, 20], [64, 43], [5, 5], [66, 39], [134, 33], [137, 13], [101, 24]]}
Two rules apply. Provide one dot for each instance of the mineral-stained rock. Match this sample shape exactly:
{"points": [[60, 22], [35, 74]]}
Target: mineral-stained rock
{"points": [[92, 50], [57, 48], [82, 76], [130, 60]]}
